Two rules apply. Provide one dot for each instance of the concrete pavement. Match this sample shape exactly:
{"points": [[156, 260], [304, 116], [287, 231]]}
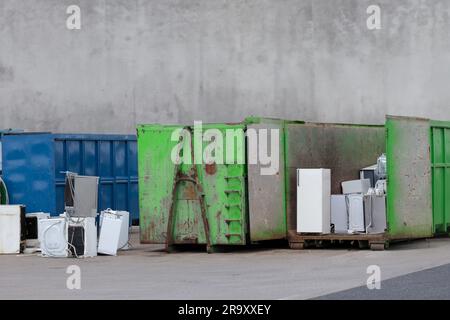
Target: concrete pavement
{"points": [[146, 272]]}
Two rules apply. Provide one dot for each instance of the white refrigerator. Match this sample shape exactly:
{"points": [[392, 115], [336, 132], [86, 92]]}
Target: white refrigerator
{"points": [[313, 200]]}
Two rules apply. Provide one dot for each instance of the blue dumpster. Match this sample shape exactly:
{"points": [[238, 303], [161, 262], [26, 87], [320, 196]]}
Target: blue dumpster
{"points": [[34, 166]]}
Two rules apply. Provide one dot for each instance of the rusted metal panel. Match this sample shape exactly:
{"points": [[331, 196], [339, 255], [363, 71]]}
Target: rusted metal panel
{"points": [[220, 186], [267, 193], [409, 177], [344, 149]]}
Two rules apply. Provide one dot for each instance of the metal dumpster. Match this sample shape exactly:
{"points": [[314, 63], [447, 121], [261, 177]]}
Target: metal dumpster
{"points": [[33, 166], [347, 148], [440, 161], [240, 205]]}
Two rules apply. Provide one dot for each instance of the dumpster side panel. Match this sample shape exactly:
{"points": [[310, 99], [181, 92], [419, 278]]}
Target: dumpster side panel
{"points": [[440, 159], [28, 171], [409, 204], [225, 189], [345, 149], [267, 193], [111, 157], [223, 186], [156, 177]]}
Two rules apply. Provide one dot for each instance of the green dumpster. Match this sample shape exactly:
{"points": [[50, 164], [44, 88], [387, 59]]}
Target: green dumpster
{"points": [[223, 203], [218, 203], [347, 148], [440, 158]]}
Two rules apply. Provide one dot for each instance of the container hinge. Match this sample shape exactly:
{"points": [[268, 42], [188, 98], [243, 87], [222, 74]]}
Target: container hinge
{"points": [[232, 191], [228, 206], [228, 235], [232, 220], [229, 178]]}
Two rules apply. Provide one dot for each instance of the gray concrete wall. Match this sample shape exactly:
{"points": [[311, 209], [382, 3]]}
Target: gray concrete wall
{"points": [[136, 61]]}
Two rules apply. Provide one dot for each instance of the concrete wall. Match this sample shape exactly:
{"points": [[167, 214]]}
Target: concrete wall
{"points": [[136, 61]]}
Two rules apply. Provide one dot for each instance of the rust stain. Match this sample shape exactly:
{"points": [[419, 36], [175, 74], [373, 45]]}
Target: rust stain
{"points": [[210, 168], [189, 192]]}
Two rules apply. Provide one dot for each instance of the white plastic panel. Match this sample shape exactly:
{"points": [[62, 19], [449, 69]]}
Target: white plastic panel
{"points": [[313, 200], [109, 234], [125, 229], [53, 237], [356, 212], [10, 229], [339, 214]]}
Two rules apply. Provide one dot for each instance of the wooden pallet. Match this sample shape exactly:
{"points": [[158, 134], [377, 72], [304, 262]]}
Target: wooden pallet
{"points": [[302, 241]]}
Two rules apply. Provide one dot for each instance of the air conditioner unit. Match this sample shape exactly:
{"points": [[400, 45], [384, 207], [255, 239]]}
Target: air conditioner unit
{"points": [[125, 227], [53, 234], [81, 195], [110, 231], [313, 200], [32, 228], [82, 237], [12, 229]]}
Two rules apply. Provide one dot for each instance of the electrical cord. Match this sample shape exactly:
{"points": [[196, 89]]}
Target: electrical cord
{"points": [[43, 242], [47, 250]]}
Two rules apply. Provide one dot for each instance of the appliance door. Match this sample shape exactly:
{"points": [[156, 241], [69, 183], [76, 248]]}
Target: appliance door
{"points": [[356, 212], [339, 215]]}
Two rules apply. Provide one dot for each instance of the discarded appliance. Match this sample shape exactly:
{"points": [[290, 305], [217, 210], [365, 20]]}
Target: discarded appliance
{"points": [[81, 195], [53, 236], [339, 213], [376, 214], [82, 237], [381, 167], [32, 228], [313, 200], [370, 173], [356, 186], [12, 229], [109, 239], [124, 230], [357, 206]]}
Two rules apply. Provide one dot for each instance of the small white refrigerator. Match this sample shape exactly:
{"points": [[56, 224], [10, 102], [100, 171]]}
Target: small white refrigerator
{"points": [[313, 200]]}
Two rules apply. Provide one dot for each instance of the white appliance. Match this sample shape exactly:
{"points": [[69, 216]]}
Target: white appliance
{"points": [[313, 200], [12, 228], [32, 228], [108, 242], [53, 234], [339, 214], [82, 237], [375, 214], [356, 186], [369, 173], [125, 229], [81, 195], [356, 204]]}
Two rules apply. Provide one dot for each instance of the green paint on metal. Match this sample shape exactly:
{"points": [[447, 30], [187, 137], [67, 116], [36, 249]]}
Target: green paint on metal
{"points": [[409, 212], [223, 185], [440, 161]]}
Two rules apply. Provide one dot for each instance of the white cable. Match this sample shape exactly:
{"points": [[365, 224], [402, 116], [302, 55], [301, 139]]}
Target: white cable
{"points": [[43, 239]]}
